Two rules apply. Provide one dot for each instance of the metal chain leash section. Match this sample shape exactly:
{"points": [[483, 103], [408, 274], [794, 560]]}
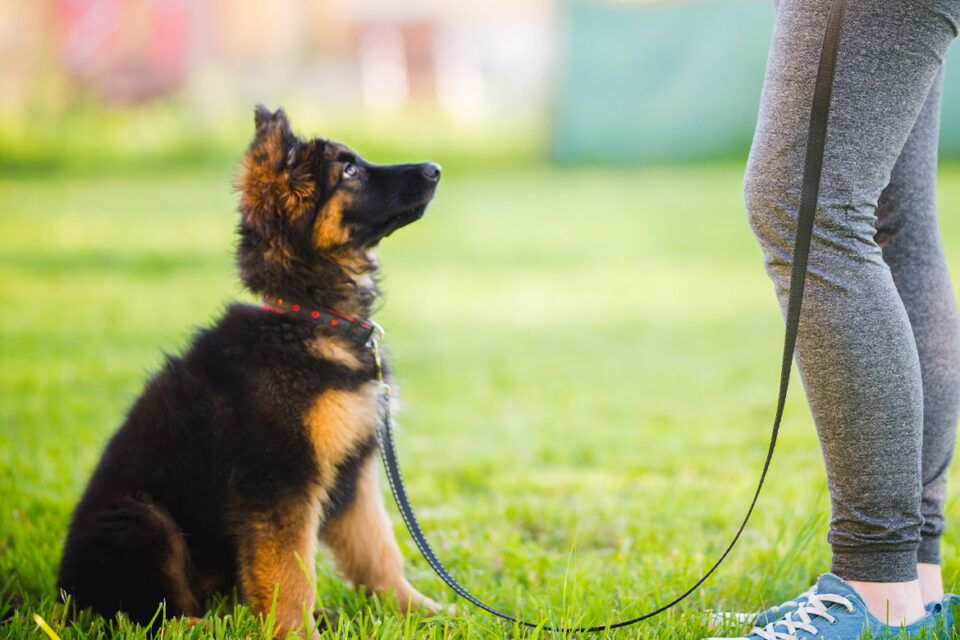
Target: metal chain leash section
{"points": [[813, 163]]}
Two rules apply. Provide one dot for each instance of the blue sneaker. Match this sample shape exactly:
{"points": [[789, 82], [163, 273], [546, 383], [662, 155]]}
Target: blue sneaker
{"points": [[773, 614], [834, 611]]}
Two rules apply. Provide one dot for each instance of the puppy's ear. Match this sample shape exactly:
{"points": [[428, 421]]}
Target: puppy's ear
{"points": [[264, 119], [275, 179]]}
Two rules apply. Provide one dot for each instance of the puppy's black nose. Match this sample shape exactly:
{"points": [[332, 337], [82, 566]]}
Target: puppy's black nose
{"points": [[431, 170]]}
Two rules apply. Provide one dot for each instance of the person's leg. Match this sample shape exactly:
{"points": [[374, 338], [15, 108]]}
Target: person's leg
{"points": [[856, 352], [908, 233]]}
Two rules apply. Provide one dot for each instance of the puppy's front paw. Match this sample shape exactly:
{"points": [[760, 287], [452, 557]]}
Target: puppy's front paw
{"points": [[428, 607]]}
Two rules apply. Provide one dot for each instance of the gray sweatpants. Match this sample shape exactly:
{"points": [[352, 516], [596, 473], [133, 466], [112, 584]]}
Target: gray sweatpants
{"points": [[879, 343]]}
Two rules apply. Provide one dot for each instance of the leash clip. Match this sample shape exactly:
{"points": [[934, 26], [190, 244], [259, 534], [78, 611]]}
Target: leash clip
{"points": [[376, 339], [383, 430]]}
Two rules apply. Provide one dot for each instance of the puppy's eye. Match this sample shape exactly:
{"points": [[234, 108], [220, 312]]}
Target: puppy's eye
{"points": [[350, 170]]}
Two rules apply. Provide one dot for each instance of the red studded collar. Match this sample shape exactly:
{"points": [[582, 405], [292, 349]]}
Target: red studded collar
{"points": [[359, 330]]}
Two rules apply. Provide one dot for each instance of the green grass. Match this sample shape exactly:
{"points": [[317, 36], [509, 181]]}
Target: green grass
{"points": [[588, 360]]}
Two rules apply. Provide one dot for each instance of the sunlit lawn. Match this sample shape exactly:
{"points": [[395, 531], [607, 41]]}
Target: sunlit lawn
{"points": [[587, 357]]}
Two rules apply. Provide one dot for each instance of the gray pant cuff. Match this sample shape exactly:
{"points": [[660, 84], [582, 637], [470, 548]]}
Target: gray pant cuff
{"points": [[929, 551], [897, 565]]}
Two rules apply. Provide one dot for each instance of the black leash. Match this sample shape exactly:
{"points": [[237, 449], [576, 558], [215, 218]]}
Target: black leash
{"points": [[813, 163]]}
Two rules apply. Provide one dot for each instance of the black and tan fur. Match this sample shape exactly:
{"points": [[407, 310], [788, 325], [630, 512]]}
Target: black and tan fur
{"points": [[257, 442]]}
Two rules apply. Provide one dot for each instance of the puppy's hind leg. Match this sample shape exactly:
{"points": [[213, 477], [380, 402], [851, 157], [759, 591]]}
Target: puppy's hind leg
{"points": [[365, 549], [128, 555]]}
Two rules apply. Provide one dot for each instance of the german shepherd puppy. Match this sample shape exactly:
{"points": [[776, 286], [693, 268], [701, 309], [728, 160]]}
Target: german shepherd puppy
{"points": [[259, 440]]}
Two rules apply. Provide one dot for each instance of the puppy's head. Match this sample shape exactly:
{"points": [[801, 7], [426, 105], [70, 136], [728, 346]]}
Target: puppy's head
{"points": [[308, 206]]}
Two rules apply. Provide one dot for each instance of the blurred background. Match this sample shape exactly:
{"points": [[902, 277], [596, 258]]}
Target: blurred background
{"points": [[574, 81], [582, 329]]}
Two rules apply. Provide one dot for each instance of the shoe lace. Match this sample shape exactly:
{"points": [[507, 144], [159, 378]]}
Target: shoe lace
{"points": [[800, 620]]}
